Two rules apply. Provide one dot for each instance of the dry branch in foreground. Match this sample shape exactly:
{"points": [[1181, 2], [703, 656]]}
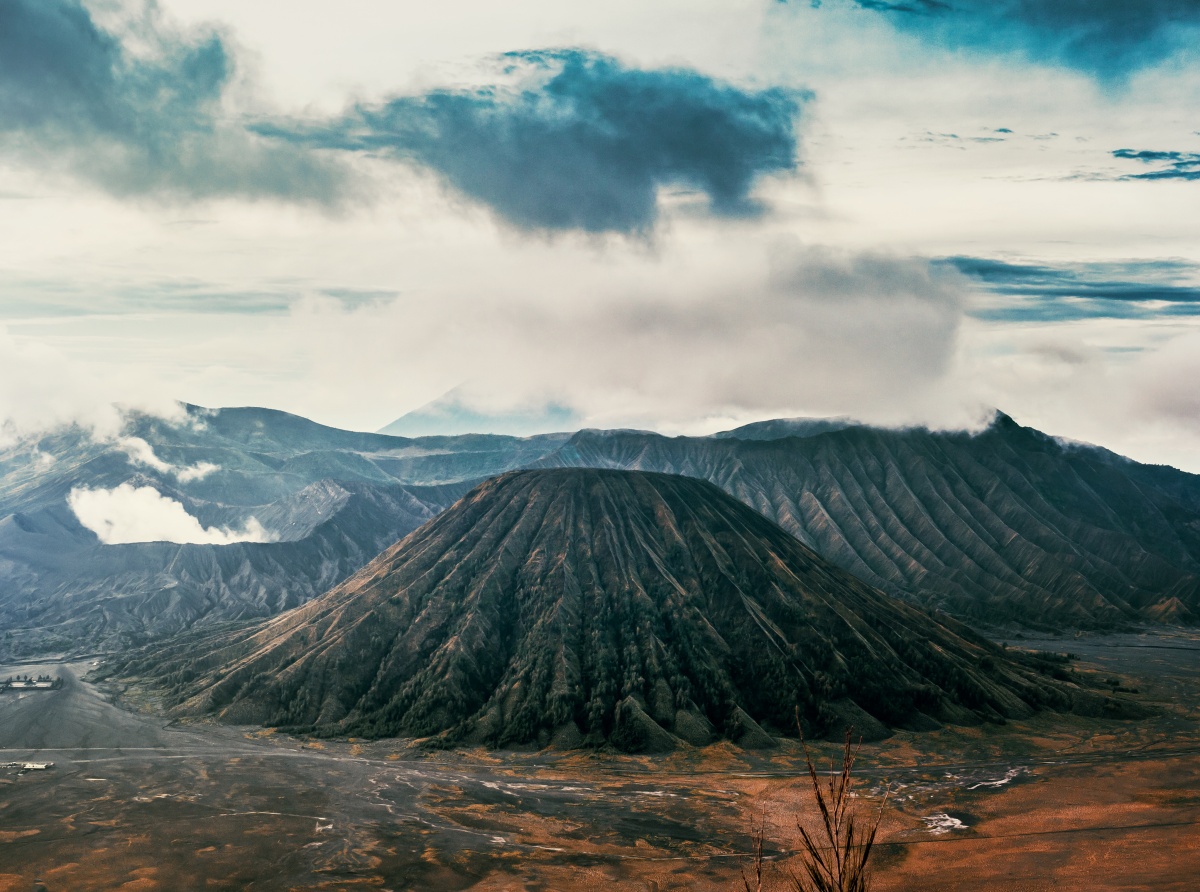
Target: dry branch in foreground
{"points": [[837, 858]]}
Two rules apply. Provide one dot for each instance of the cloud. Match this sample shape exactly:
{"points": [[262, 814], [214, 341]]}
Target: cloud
{"points": [[991, 136], [1108, 38], [578, 141], [43, 461], [1068, 292], [142, 453], [1166, 382], [129, 513], [719, 326], [913, 7], [564, 140], [1167, 165], [796, 330], [1120, 383], [139, 110], [42, 388]]}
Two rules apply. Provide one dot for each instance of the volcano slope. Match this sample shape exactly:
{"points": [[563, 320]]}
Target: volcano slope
{"points": [[579, 607]]}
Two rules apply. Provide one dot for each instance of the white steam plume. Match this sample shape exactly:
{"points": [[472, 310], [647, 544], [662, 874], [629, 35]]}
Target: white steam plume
{"points": [[130, 513], [142, 453]]}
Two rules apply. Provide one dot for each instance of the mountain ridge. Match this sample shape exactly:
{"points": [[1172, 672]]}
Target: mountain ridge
{"points": [[591, 606], [1007, 525], [61, 588]]}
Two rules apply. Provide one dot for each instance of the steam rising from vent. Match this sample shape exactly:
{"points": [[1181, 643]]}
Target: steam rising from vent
{"points": [[128, 514], [142, 453]]}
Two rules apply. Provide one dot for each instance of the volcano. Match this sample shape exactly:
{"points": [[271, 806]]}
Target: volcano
{"points": [[585, 607]]}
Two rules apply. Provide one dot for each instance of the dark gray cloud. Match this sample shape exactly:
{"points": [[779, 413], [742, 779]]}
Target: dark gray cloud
{"points": [[962, 141], [578, 141], [1108, 38], [1131, 290], [574, 140], [914, 7], [73, 97], [1164, 165], [982, 137]]}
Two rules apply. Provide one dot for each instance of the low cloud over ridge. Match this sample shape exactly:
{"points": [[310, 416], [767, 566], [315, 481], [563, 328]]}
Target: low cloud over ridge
{"points": [[142, 453], [128, 514], [794, 330]]}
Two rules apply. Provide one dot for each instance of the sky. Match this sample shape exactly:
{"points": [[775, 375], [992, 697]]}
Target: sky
{"points": [[672, 216]]}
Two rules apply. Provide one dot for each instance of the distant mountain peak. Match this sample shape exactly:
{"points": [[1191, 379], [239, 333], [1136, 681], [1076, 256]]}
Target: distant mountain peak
{"points": [[1003, 421], [779, 428], [454, 414]]}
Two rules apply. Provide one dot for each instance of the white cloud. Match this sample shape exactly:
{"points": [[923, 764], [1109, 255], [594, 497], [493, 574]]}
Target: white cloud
{"points": [[722, 329], [142, 453], [1125, 384], [376, 48], [43, 461], [110, 301], [43, 387], [716, 321], [39, 390], [706, 329], [1169, 381], [129, 513]]}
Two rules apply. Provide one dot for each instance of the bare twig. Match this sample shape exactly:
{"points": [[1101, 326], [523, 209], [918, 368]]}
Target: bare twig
{"points": [[836, 858], [758, 857]]}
